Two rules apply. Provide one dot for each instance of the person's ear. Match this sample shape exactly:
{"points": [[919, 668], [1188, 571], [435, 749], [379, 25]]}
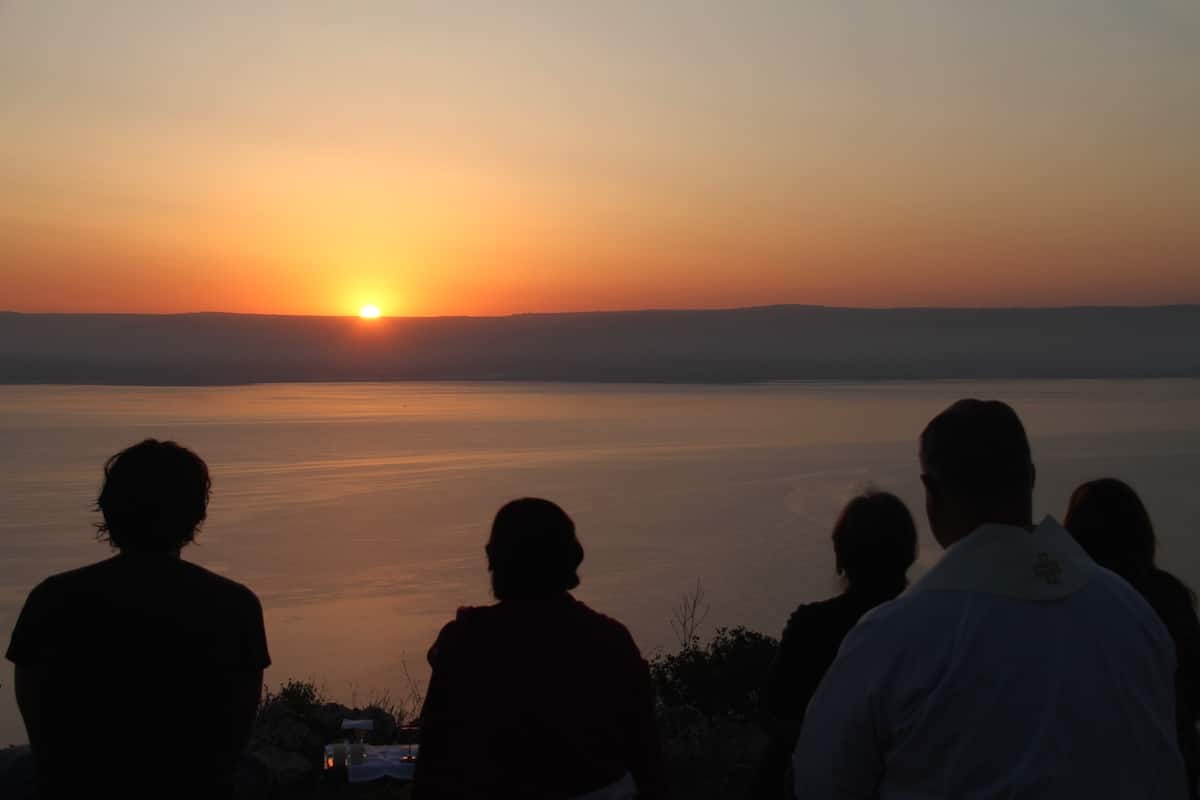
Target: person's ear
{"points": [[935, 508], [932, 494]]}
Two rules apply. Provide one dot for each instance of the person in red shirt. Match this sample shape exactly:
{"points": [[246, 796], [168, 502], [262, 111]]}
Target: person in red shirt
{"points": [[537, 696]]}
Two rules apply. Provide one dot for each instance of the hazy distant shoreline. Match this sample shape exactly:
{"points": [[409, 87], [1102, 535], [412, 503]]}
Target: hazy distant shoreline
{"points": [[752, 345]]}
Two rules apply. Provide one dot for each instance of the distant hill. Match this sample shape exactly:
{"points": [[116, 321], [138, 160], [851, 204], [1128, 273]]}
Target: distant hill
{"points": [[752, 344]]}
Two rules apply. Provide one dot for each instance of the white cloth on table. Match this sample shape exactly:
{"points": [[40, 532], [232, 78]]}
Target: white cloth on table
{"points": [[391, 761]]}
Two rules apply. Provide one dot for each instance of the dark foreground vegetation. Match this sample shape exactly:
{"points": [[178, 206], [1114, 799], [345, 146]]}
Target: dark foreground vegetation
{"points": [[708, 700]]}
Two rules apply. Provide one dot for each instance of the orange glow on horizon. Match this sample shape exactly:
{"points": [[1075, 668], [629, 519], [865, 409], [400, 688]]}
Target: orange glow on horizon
{"points": [[369, 312], [595, 157]]}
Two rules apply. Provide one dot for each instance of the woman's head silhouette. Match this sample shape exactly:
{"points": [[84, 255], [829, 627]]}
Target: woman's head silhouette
{"points": [[533, 550]]}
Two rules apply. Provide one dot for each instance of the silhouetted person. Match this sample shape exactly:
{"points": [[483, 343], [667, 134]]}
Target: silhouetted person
{"points": [[1015, 668], [537, 697], [1107, 517], [874, 542], [140, 675]]}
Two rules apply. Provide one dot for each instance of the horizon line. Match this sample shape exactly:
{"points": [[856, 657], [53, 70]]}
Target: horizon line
{"points": [[598, 312]]}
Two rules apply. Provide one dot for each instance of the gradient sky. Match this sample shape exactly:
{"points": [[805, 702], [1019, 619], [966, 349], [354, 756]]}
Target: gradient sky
{"points": [[446, 159]]}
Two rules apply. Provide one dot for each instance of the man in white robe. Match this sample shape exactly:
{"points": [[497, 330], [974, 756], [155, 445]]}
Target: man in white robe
{"points": [[1015, 668]]}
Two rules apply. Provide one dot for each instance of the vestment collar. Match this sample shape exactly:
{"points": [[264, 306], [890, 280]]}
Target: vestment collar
{"points": [[1043, 564]]}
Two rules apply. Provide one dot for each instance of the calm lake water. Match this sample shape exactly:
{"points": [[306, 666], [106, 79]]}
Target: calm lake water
{"points": [[358, 512]]}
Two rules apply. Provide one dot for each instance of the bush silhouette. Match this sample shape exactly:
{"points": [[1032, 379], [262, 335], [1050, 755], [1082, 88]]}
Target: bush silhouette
{"points": [[720, 679]]}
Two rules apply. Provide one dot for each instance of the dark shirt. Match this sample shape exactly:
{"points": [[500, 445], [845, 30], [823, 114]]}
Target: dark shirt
{"points": [[137, 662], [1175, 606], [537, 698], [809, 645]]}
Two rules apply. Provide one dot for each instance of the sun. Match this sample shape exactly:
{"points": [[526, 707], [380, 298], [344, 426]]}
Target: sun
{"points": [[369, 312]]}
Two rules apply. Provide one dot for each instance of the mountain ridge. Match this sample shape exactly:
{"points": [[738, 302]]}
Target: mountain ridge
{"points": [[779, 342]]}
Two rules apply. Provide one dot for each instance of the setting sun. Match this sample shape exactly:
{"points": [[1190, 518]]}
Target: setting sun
{"points": [[369, 312]]}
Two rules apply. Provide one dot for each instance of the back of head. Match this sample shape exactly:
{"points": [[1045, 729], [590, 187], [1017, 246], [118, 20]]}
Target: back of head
{"points": [[875, 541], [533, 550], [978, 449], [1110, 522], [154, 498]]}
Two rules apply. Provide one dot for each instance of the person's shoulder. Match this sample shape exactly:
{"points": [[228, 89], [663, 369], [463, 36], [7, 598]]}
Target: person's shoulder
{"points": [[468, 619], [1107, 588], [73, 580], [909, 619], [470, 614], [218, 587], [52, 609], [820, 607], [913, 605], [602, 625], [1168, 594], [1109, 594], [456, 632], [597, 618], [806, 616], [908, 635], [1128, 616]]}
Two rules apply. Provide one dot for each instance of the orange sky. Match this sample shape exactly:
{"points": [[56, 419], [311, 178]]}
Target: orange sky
{"points": [[302, 159]]}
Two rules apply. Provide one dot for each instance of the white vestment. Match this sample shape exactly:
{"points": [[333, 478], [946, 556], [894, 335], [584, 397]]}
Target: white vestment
{"points": [[1015, 668]]}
